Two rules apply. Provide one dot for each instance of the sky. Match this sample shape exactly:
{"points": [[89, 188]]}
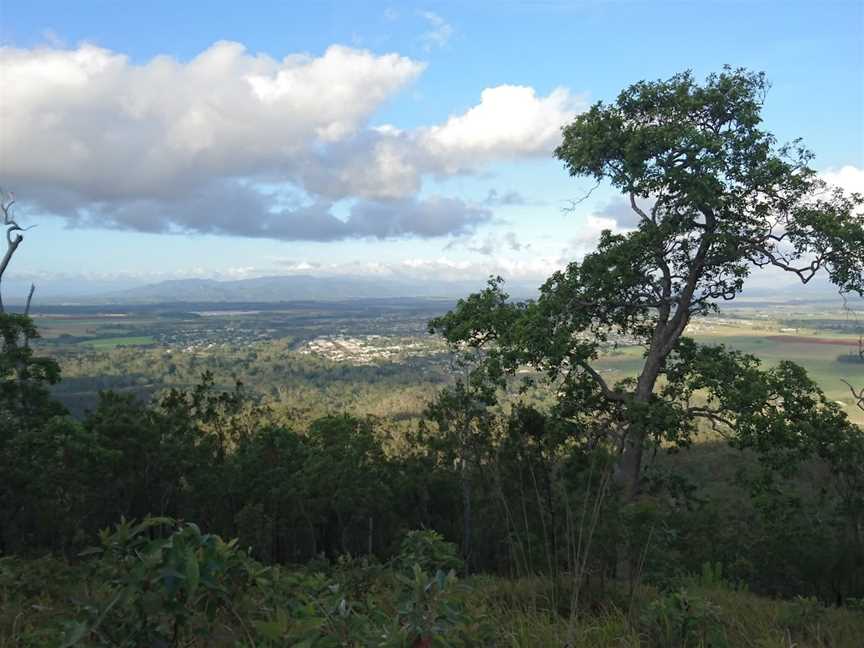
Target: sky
{"points": [[160, 140]]}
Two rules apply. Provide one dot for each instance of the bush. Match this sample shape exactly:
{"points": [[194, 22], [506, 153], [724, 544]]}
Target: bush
{"points": [[430, 551], [159, 581], [681, 620]]}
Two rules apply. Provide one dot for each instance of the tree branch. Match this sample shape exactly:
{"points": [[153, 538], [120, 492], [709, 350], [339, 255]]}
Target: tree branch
{"points": [[857, 395], [29, 298], [711, 415], [609, 393], [805, 273], [12, 242]]}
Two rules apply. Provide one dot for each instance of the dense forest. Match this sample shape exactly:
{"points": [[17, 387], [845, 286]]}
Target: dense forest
{"points": [[526, 501]]}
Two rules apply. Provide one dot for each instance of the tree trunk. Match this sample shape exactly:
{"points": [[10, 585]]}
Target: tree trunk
{"points": [[628, 471]]}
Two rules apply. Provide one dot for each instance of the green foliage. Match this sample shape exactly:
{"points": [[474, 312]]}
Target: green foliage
{"points": [[40, 600], [802, 616], [681, 620], [430, 615], [24, 377], [719, 187], [159, 587], [429, 551], [715, 197]]}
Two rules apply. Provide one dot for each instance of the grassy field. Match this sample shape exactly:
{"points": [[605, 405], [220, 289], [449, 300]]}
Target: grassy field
{"points": [[819, 359], [54, 328], [112, 342]]}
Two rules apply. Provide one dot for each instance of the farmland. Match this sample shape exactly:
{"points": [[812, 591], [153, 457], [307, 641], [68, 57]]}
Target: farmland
{"points": [[380, 335], [817, 350]]}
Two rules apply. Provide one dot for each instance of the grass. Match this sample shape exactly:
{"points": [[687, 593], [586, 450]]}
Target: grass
{"points": [[717, 614], [820, 361], [112, 342], [36, 595]]}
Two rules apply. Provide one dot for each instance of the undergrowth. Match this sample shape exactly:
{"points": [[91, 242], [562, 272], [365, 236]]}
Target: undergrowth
{"points": [[160, 583]]}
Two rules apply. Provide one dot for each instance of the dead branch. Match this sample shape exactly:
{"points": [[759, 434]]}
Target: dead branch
{"points": [[858, 395], [29, 298], [13, 240]]}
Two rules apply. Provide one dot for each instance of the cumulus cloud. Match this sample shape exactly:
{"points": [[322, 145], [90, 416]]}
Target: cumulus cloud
{"points": [[89, 121], [849, 178], [509, 121], [375, 164], [170, 145], [534, 269]]}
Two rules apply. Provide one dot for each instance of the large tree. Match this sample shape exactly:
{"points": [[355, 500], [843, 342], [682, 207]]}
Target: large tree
{"points": [[715, 198]]}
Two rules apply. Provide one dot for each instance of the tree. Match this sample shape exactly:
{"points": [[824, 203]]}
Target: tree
{"points": [[463, 421], [716, 198], [32, 446]]}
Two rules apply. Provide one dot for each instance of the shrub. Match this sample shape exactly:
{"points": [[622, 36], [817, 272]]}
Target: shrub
{"points": [[430, 551], [681, 620], [159, 581]]}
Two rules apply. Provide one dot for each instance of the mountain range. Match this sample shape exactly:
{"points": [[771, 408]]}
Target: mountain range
{"points": [[298, 288]]}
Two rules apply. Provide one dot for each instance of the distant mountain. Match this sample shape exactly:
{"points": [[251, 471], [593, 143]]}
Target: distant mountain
{"points": [[344, 288], [298, 288]]}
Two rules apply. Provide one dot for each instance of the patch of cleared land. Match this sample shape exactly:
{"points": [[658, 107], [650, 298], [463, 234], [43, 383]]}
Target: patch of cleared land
{"points": [[110, 343]]}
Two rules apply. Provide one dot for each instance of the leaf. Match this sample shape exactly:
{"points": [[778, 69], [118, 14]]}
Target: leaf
{"points": [[150, 522]]}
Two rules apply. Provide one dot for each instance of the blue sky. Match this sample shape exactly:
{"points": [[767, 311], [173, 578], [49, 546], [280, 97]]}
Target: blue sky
{"points": [[397, 139]]}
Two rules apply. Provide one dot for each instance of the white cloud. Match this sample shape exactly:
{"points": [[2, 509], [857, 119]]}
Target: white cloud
{"points": [[849, 178], [509, 121], [588, 235], [89, 121], [167, 145]]}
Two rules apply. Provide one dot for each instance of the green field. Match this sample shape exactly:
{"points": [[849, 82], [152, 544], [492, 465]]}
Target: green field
{"points": [[110, 343], [820, 360]]}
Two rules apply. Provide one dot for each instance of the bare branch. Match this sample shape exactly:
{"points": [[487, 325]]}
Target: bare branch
{"points": [[636, 207], [12, 241], [715, 418], [805, 273], [857, 395], [29, 298], [609, 393], [575, 203]]}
